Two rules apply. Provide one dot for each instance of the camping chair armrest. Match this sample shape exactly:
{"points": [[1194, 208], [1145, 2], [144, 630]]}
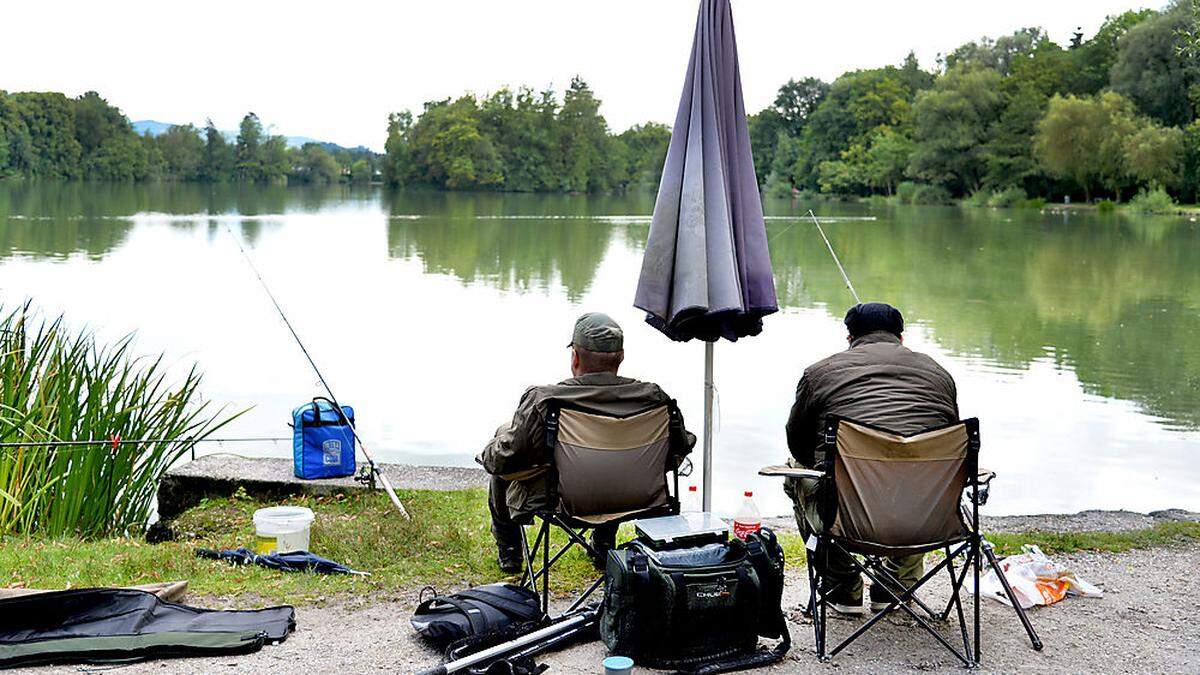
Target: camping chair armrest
{"points": [[784, 471]]}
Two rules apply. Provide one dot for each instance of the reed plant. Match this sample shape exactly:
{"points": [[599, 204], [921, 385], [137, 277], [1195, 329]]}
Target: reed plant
{"points": [[59, 384]]}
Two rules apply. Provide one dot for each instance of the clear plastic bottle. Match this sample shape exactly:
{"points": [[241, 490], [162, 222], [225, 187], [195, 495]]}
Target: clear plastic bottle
{"points": [[690, 503], [748, 520]]}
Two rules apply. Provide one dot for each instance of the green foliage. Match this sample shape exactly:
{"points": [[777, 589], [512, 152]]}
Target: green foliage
{"points": [[1155, 201], [57, 385], [906, 190], [978, 198], [931, 195], [1106, 206], [1011, 197], [1153, 69], [522, 141], [951, 123], [999, 55]]}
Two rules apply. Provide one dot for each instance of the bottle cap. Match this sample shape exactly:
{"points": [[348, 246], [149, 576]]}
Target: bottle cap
{"points": [[691, 488], [749, 493]]}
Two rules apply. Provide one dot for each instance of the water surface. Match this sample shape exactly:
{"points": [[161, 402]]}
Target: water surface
{"points": [[1075, 339]]}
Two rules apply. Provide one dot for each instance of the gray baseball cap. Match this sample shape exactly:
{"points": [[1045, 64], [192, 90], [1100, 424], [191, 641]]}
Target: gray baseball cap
{"points": [[597, 332]]}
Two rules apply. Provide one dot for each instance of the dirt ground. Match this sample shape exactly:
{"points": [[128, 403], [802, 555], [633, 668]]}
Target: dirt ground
{"points": [[1146, 622]]}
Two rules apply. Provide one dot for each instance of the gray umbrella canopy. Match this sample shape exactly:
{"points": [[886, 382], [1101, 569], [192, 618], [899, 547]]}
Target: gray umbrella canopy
{"points": [[706, 272]]}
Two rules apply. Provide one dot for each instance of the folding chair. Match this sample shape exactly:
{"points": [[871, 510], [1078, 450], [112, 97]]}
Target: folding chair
{"points": [[605, 470], [890, 495]]}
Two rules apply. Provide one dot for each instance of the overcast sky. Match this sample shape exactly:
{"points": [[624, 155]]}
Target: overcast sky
{"points": [[333, 70]]}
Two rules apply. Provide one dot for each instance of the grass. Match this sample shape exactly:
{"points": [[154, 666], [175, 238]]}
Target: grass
{"points": [[61, 385], [447, 545]]}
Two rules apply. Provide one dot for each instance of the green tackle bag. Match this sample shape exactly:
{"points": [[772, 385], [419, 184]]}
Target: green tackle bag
{"points": [[699, 609]]}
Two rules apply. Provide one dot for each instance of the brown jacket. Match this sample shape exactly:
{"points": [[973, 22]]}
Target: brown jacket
{"points": [[878, 381], [519, 453]]}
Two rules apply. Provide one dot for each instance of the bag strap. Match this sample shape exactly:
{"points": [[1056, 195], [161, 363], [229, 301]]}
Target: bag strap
{"points": [[463, 608], [501, 603]]}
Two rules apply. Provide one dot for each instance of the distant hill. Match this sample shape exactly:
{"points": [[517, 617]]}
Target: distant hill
{"points": [[154, 128]]}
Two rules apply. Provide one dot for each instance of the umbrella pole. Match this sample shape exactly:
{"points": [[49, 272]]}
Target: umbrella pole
{"points": [[708, 424]]}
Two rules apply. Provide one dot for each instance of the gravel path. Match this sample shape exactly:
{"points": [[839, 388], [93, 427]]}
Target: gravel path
{"points": [[1146, 622]]}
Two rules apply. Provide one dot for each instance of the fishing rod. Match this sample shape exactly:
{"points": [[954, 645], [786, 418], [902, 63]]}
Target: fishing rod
{"points": [[835, 257], [375, 473]]}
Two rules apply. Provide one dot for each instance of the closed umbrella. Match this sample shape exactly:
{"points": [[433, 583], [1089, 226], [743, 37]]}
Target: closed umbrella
{"points": [[706, 272]]}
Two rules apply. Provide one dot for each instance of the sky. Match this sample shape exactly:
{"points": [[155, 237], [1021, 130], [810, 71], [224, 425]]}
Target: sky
{"points": [[333, 71]]}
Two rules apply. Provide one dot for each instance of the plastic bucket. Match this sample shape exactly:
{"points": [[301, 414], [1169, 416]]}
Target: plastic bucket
{"points": [[282, 529]]}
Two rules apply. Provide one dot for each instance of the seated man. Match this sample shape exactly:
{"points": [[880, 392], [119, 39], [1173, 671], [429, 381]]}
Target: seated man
{"points": [[877, 381], [516, 456]]}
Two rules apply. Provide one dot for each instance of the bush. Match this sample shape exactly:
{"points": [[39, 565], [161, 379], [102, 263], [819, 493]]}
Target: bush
{"points": [[58, 385], [1035, 203], [1106, 206], [1008, 198], [877, 200], [931, 195], [978, 198], [906, 190], [1153, 201]]}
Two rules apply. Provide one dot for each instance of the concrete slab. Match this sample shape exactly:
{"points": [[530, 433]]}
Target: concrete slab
{"points": [[221, 475]]}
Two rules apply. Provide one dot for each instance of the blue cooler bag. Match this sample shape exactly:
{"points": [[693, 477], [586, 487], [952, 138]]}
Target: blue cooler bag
{"points": [[322, 442]]}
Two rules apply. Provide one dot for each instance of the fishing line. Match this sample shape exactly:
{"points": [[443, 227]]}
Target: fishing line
{"points": [[375, 472], [835, 257]]}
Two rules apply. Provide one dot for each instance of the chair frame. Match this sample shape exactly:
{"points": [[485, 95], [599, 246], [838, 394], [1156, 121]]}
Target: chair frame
{"points": [[969, 547], [545, 520]]}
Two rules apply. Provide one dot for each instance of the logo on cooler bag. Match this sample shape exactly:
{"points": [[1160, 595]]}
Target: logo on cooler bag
{"points": [[332, 450]]}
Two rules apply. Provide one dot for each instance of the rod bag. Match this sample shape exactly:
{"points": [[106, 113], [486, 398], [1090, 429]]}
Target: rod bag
{"points": [[107, 625]]}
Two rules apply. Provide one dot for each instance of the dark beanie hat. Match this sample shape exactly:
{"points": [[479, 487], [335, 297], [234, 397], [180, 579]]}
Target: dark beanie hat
{"points": [[869, 317]]}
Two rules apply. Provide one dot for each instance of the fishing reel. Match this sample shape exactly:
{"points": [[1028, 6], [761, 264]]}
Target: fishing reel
{"points": [[366, 475]]}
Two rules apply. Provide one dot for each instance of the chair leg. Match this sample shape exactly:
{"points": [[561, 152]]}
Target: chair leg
{"points": [[1034, 640], [956, 601], [529, 578], [975, 565], [546, 571], [899, 601]]}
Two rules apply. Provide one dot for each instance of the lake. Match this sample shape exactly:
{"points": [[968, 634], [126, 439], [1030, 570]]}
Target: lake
{"points": [[1074, 337]]}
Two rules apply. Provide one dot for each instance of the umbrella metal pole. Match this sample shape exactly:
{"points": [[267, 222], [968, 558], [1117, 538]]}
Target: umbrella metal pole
{"points": [[708, 425]]}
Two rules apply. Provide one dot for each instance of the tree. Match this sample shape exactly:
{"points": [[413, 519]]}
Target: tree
{"points": [[248, 164], [1092, 61], [314, 164], [1068, 140], [398, 162], [450, 152], [765, 128], [218, 155], [1153, 153], [951, 123], [887, 158], [796, 101], [273, 162], [1152, 69], [646, 147], [1000, 54], [581, 140], [182, 152], [1190, 164], [361, 172]]}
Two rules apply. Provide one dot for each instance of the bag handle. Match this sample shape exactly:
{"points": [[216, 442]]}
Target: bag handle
{"points": [[463, 608]]}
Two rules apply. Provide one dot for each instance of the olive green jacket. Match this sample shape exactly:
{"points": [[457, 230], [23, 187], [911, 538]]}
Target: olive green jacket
{"points": [[519, 452], [878, 381]]}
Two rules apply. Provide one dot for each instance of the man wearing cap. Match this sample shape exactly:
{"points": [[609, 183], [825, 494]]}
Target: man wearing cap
{"points": [[879, 381], [516, 456]]}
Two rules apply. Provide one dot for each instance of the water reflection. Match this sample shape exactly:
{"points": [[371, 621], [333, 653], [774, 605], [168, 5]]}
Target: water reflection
{"points": [[1115, 299]]}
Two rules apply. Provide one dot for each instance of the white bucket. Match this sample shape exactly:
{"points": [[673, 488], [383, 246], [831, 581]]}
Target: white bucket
{"points": [[282, 529]]}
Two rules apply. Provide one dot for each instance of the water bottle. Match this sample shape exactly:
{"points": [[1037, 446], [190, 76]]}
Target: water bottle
{"points": [[691, 501], [748, 520]]}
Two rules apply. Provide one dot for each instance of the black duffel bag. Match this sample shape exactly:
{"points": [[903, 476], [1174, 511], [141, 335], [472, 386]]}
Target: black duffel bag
{"points": [[477, 611], [698, 609]]}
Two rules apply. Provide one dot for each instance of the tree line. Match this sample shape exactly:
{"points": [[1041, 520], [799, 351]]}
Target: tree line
{"points": [[49, 135], [522, 141], [1001, 119]]}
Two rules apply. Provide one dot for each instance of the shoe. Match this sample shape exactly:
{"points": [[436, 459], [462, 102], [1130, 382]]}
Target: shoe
{"points": [[880, 606], [510, 560], [846, 609]]}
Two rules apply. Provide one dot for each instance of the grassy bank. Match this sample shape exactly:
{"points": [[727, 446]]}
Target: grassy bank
{"points": [[446, 545]]}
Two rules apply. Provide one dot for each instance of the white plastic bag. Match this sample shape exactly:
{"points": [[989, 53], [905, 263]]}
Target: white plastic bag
{"points": [[1035, 580]]}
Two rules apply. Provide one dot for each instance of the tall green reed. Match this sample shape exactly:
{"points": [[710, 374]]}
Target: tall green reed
{"points": [[57, 384]]}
